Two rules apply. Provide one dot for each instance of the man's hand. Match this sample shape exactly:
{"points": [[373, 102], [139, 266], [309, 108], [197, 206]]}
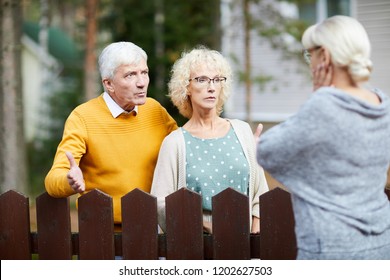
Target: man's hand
{"points": [[75, 175]]}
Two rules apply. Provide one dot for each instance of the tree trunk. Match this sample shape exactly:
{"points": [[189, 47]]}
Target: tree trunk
{"points": [[159, 19], [13, 167], [90, 68], [247, 71]]}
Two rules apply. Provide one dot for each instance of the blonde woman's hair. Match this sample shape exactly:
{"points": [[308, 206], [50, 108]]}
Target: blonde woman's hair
{"points": [[347, 42], [190, 62]]}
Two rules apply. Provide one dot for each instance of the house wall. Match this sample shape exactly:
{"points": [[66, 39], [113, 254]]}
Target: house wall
{"points": [[35, 92], [31, 76], [290, 86], [375, 16]]}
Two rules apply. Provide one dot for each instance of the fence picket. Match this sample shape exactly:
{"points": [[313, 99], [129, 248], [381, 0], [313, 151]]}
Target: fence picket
{"points": [[231, 225], [96, 226], [277, 235], [15, 238], [184, 226], [53, 226], [184, 238], [139, 226]]}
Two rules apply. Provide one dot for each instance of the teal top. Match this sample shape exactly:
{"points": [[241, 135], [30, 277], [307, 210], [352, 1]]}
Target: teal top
{"points": [[212, 165]]}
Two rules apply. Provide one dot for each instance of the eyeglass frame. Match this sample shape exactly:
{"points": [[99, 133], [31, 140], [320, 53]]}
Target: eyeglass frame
{"points": [[221, 80], [306, 53]]}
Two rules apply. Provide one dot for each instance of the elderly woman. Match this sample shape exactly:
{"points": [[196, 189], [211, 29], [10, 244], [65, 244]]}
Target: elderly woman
{"points": [[333, 155], [209, 153]]}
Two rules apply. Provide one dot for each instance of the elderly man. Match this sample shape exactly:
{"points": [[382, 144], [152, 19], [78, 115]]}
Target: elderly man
{"points": [[112, 142]]}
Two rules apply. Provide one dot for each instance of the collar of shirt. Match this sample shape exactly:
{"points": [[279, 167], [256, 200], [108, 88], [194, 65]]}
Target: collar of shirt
{"points": [[114, 108]]}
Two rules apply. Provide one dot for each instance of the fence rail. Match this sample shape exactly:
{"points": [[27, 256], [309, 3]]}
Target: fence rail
{"points": [[138, 238]]}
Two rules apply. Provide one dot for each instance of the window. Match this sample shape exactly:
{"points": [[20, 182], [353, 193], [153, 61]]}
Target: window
{"points": [[338, 7], [317, 10]]}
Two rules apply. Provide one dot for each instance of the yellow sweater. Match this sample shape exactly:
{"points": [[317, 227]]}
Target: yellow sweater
{"points": [[115, 155]]}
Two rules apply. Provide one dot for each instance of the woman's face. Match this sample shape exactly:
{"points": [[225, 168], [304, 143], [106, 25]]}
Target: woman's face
{"points": [[204, 88]]}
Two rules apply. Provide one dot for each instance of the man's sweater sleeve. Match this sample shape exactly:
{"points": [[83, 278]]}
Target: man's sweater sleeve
{"points": [[74, 141]]}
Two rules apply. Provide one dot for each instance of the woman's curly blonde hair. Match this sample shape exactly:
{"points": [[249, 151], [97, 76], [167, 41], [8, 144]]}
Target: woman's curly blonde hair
{"points": [[190, 61]]}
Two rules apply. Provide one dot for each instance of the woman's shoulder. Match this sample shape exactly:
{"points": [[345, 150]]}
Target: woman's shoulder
{"points": [[242, 129], [239, 124], [174, 141], [174, 136]]}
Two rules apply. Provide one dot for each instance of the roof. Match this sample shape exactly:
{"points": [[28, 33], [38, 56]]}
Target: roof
{"points": [[61, 46]]}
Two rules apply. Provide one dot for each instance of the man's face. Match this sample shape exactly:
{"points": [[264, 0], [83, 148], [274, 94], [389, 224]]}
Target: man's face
{"points": [[129, 85]]}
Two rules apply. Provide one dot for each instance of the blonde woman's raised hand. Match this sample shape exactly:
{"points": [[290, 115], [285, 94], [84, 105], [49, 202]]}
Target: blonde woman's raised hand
{"points": [[257, 133]]}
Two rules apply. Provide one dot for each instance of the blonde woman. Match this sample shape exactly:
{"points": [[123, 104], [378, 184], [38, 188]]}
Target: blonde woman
{"points": [[333, 155], [209, 153]]}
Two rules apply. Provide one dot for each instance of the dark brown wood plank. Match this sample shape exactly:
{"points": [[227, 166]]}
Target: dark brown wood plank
{"points": [[118, 242], [96, 226], [139, 226], [54, 228], [184, 226], [208, 246], [255, 245], [231, 233], [277, 234], [75, 243], [162, 245], [15, 240]]}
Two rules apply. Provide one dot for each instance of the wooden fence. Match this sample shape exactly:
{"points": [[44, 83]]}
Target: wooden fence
{"points": [[139, 239]]}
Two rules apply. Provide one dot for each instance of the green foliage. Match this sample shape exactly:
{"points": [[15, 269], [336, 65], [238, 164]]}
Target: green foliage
{"points": [[42, 150], [186, 24], [270, 23]]}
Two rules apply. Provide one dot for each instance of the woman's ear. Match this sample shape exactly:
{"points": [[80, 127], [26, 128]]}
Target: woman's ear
{"points": [[325, 57]]}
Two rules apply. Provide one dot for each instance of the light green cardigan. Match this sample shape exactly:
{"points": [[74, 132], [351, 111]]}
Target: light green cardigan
{"points": [[170, 171]]}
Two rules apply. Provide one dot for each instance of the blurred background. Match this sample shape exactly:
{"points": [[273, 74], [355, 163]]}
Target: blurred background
{"points": [[49, 51]]}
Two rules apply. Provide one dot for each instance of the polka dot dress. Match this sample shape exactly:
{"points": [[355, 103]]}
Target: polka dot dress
{"points": [[213, 165]]}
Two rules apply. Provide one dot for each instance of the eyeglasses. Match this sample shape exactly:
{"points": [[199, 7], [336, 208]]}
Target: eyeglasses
{"points": [[307, 54], [203, 80]]}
